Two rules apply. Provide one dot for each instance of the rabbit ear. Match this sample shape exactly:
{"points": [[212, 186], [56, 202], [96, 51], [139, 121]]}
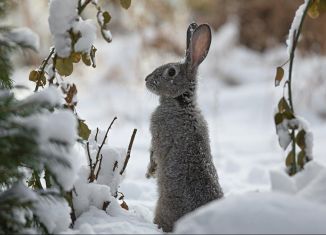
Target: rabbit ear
{"points": [[199, 45], [191, 29]]}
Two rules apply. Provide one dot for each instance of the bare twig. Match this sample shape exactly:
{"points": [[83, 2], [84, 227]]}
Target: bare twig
{"points": [[104, 139], [91, 177], [44, 63], [99, 167], [122, 196], [99, 156], [105, 205], [115, 165], [129, 151], [81, 7], [97, 130], [89, 154]]}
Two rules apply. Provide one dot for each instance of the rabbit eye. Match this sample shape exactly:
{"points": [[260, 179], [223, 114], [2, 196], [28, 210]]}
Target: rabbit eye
{"points": [[172, 72]]}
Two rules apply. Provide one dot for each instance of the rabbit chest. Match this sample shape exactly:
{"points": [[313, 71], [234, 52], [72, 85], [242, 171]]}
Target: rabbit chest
{"points": [[179, 139]]}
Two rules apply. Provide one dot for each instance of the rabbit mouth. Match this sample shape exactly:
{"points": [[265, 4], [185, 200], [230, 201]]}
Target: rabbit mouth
{"points": [[152, 87]]}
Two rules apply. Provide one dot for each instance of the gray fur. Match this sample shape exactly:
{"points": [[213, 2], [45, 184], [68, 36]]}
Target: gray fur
{"points": [[180, 151]]}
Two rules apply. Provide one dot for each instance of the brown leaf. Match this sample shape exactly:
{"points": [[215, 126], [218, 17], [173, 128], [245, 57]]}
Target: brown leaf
{"points": [[278, 118], [70, 94], [86, 59], [301, 158], [279, 75], [301, 139], [75, 57], [33, 75], [283, 105], [289, 161], [124, 205]]}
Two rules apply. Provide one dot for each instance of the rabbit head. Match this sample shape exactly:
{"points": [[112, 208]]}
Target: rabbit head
{"points": [[174, 79]]}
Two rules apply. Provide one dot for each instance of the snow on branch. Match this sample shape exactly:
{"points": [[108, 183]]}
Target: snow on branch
{"points": [[294, 31]]}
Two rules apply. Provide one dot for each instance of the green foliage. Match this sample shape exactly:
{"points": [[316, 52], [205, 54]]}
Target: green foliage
{"points": [[5, 64], [7, 46], [20, 155]]}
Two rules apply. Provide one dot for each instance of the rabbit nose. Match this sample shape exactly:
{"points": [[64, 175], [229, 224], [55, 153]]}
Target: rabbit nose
{"points": [[147, 77]]}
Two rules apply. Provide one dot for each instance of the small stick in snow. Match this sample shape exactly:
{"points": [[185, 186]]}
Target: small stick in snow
{"points": [[115, 165], [97, 130], [89, 155], [129, 150], [99, 167]]}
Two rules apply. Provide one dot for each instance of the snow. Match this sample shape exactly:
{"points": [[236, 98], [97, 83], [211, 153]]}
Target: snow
{"points": [[53, 213], [237, 97], [87, 29], [51, 96], [59, 126], [295, 25], [62, 16], [87, 194], [283, 133], [282, 130], [307, 184], [96, 221], [107, 34], [107, 176], [25, 36], [256, 213]]}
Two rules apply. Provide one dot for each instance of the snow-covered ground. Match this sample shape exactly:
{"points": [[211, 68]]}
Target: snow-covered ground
{"points": [[238, 98]]}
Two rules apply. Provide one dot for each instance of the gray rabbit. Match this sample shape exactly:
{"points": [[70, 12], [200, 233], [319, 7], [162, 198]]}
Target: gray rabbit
{"points": [[180, 155]]}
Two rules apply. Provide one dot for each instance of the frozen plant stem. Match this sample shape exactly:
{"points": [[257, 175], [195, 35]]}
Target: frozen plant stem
{"points": [[295, 39], [81, 7], [45, 62]]}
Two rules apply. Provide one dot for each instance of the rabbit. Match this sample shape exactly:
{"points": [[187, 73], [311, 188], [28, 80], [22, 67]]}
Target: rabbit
{"points": [[180, 155]]}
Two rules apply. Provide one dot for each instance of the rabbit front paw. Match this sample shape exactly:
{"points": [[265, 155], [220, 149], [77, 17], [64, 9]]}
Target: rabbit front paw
{"points": [[151, 172]]}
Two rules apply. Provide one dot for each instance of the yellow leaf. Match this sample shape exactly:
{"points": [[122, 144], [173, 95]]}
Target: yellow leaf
{"points": [[83, 130], [33, 75], [313, 11], [64, 66], [86, 59], [125, 3], [75, 57]]}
